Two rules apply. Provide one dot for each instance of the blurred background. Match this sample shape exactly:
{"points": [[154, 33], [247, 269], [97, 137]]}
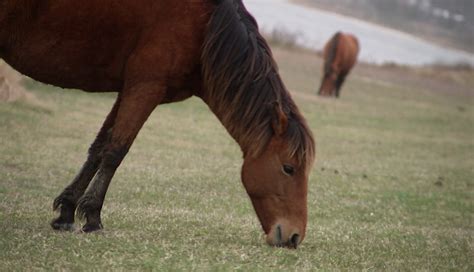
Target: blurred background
{"points": [[412, 32], [445, 22]]}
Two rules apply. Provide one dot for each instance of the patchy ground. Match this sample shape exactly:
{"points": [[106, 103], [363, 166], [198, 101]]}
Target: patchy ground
{"points": [[392, 188]]}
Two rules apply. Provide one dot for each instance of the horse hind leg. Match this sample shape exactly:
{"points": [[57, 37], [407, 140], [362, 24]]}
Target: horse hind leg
{"points": [[340, 80], [136, 105], [66, 202]]}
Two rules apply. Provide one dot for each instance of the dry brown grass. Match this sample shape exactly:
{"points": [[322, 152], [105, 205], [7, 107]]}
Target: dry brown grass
{"points": [[11, 88]]}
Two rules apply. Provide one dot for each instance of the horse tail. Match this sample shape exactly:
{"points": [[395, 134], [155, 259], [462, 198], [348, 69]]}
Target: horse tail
{"points": [[332, 52]]}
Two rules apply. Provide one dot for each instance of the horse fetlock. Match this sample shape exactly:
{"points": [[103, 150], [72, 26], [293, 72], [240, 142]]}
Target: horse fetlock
{"points": [[65, 199], [88, 208], [65, 220]]}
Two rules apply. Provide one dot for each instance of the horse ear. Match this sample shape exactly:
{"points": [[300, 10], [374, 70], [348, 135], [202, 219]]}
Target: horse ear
{"points": [[280, 120]]}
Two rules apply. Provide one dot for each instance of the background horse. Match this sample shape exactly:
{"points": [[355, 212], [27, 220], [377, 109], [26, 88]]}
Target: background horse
{"points": [[160, 51], [340, 55]]}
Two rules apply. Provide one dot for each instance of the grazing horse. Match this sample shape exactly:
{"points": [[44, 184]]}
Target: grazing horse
{"points": [[340, 55], [160, 51]]}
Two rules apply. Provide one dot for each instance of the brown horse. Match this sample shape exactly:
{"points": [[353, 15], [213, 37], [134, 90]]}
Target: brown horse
{"points": [[161, 51], [340, 55]]}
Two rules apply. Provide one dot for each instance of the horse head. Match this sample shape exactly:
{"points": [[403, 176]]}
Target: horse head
{"points": [[247, 95], [277, 180]]}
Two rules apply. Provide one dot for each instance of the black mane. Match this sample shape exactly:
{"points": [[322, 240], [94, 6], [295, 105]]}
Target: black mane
{"points": [[243, 85]]}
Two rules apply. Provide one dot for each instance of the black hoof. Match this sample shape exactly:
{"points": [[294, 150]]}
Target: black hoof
{"points": [[87, 228], [60, 224]]}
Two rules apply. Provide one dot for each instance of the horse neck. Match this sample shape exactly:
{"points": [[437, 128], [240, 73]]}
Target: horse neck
{"points": [[240, 87], [230, 126], [248, 116]]}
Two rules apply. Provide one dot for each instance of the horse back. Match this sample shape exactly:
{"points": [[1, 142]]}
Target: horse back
{"points": [[340, 52]]}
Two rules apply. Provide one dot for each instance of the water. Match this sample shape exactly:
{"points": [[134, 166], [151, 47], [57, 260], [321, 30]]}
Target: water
{"points": [[378, 44]]}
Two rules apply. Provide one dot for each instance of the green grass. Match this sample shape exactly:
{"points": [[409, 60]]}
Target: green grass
{"points": [[392, 187]]}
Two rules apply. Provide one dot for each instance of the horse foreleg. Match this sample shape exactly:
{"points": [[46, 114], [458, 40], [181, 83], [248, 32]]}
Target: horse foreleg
{"points": [[136, 105], [67, 200]]}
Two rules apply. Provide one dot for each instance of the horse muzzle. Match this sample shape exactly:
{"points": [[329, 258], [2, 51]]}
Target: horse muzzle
{"points": [[284, 235]]}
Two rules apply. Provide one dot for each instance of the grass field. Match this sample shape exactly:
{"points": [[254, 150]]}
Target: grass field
{"points": [[392, 187]]}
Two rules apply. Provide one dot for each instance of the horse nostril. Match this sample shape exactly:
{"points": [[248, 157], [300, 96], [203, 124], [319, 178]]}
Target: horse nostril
{"points": [[294, 240]]}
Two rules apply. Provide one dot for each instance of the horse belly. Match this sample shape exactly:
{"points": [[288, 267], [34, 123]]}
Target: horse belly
{"points": [[75, 46], [97, 45], [69, 65]]}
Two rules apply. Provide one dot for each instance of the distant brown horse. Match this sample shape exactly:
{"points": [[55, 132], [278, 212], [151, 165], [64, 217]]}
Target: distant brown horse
{"points": [[160, 51], [340, 55]]}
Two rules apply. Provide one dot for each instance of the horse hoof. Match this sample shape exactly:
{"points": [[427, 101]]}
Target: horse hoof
{"points": [[59, 224], [92, 227]]}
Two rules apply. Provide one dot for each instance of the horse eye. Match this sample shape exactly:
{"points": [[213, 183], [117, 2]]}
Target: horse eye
{"points": [[288, 170]]}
